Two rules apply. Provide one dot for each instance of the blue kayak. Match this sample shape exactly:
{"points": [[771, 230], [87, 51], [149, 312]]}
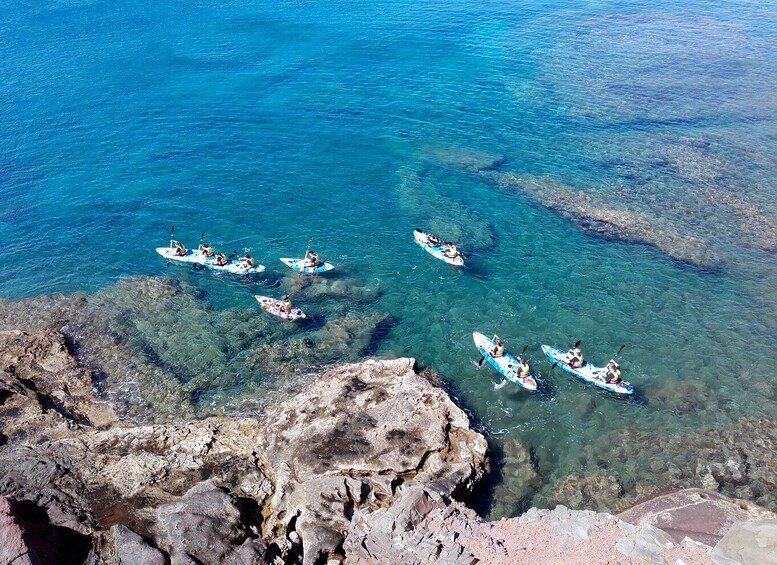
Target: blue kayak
{"points": [[506, 364], [588, 372]]}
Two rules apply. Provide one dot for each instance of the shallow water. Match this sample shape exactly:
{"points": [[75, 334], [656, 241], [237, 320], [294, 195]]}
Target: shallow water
{"points": [[354, 123]]}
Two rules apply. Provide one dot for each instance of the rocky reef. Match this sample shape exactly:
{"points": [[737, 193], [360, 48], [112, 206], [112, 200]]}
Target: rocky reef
{"points": [[593, 213], [129, 336]]}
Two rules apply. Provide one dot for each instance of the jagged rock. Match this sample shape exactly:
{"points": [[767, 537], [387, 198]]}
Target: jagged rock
{"points": [[131, 549], [43, 388], [205, 526], [338, 447], [27, 537], [402, 534], [748, 543], [704, 516], [208, 490]]}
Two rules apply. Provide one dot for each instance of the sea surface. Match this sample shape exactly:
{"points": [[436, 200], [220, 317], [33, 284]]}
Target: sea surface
{"points": [[266, 123]]}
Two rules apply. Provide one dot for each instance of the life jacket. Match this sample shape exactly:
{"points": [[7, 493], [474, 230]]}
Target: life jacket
{"points": [[499, 350], [249, 261], [613, 375], [523, 371]]}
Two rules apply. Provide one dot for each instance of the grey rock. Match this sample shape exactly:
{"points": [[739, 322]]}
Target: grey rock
{"points": [[205, 525], [748, 543], [131, 549]]}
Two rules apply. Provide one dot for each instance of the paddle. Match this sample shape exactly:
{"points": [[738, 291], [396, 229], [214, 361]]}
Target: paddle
{"points": [[577, 344], [172, 239], [482, 358]]}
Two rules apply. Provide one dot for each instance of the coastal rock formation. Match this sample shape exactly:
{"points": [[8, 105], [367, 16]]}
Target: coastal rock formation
{"points": [[738, 461], [423, 527], [596, 216], [225, 490], [128, 336]]}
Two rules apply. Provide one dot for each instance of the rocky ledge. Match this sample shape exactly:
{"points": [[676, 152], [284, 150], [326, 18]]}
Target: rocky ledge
{"points": [[281, 487]]}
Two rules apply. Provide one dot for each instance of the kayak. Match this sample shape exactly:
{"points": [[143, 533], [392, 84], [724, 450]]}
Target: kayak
{"points": [[297, 265], [273, 306], [507, 365], [197, 257], [436, 251], [588, 372]]}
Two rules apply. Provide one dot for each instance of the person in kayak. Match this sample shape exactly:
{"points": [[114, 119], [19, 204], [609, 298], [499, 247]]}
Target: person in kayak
{"points": [[207, 249], [311, 259], [285, 303], [499, 348], [450, 250], [180, 249], [612, 373], [523, 368], [221, 259], [248, 261], [574, 358], [432, 240]]}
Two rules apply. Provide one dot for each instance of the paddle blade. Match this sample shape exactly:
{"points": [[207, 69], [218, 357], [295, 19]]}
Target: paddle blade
{"points": [[172, 231], [202, 236], [553, 366], [500, 385], [578, 342], [480, 363], [621, 349], [524, 350]]}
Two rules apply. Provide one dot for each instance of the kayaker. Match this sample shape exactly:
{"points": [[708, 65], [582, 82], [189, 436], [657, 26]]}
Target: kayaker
{"points": [[522, 369], [450, 250], [613, 373], [499, 348], [285, 303], [311, 259], [248, 261], [221, 259], [180, 249], [432, 240], [575, 357], [207, 249]]}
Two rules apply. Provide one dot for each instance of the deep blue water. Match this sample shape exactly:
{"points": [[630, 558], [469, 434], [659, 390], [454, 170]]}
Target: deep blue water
{"points": [[266, 123]]}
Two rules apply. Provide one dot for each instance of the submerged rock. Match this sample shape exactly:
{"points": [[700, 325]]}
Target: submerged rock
{"points": [[465, 158], [596, 216], [449, 219], [739, 461]]}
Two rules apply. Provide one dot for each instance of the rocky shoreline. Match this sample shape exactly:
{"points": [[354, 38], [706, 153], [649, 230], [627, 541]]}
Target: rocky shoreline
{"points": [[364, 465]]}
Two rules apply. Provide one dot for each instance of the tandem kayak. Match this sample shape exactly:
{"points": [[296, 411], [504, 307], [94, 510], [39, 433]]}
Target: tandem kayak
{"points": [[273, 306], [297, 265], [197, 257], [436, 250], [507, 365], [588, 372]]}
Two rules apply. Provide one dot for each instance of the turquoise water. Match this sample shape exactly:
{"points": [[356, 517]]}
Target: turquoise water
{"points": [[354, 123]]}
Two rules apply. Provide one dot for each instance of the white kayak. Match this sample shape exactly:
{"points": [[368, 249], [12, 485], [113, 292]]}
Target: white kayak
{"points": [[436, 250], [197, 257], [506, 364], [301, 266], [273, 306], [588, 372]]}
